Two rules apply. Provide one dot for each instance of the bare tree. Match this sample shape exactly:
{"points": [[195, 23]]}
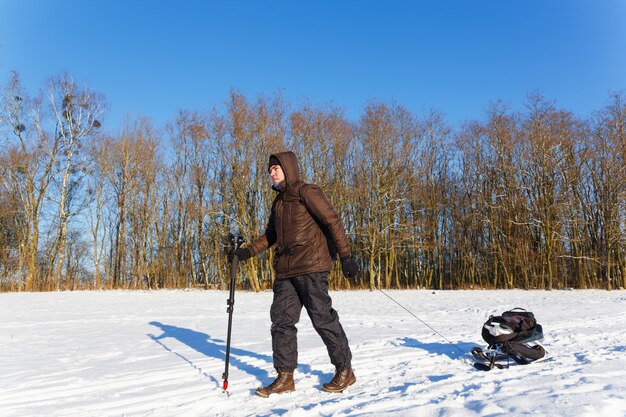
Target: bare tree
{"points": [[384, 138], [31, 160], [547, 131], [608, 175], [98, 192], [76, 111], [530, 199], [321, 139]]}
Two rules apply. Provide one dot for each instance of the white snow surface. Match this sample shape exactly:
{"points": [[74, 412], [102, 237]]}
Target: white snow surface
{"points": [[161, 353]]}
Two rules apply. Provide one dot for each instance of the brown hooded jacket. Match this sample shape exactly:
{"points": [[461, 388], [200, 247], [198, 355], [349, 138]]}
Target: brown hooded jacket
{"points": [[298, 213]]}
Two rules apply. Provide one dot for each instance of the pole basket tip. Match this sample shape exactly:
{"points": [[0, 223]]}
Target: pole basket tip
{"points": [[225, 385]]}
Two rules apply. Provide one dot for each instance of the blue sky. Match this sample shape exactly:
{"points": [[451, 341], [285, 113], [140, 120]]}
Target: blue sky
{"points": [[154, 57]]}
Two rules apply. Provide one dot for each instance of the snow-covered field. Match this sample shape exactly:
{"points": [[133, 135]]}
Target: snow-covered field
{"points": [[161, 353]]}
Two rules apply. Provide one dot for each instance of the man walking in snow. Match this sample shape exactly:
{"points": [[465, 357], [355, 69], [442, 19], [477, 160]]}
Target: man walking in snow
{"points": [[302, 261]]}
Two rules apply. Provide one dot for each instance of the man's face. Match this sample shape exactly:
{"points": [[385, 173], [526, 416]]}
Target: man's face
{"points": [[277, 174]]}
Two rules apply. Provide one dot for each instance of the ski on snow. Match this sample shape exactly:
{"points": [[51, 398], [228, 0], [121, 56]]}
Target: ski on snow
{"points": [[491, 358]]}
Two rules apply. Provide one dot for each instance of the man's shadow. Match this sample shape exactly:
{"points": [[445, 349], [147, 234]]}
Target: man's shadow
{"points": [[210, 347], [216, 348]]}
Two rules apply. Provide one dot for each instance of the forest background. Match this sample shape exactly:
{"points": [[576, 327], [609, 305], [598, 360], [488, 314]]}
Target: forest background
{"points": [[516, 199]]}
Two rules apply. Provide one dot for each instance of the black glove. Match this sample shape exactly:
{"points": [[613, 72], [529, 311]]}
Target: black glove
{"points": [[349, 267], [242, 254]]}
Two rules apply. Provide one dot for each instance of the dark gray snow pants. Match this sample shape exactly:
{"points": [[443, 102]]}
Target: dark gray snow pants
{"points": [[310, 291]]}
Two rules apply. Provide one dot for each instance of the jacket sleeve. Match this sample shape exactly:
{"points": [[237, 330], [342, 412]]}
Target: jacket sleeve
{"points": [[326, 216], [267, 239]]}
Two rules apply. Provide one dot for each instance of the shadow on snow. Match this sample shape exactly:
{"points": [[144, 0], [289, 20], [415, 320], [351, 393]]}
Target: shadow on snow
{"points": [[216, 348], [210, 347], [455, 351]]}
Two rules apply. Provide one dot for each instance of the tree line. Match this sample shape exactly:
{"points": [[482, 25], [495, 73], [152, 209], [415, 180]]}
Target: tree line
{"points": [[519, 199]]}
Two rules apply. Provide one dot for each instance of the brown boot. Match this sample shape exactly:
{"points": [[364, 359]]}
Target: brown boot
{"points": [[342, 380], [282, 384]]}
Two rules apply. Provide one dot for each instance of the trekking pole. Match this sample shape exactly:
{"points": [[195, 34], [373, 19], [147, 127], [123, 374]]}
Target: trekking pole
{"points": [[235, 242]]}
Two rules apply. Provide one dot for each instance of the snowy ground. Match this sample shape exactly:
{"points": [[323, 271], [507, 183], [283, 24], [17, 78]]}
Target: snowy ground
{"points": [[162, 354]]}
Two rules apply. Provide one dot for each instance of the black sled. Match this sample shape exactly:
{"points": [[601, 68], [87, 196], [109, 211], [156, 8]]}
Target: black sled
{"points": [[512, 338]]}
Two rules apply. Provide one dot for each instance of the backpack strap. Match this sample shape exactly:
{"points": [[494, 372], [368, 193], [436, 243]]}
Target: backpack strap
{"points": [[332, 248], [299, 189]]}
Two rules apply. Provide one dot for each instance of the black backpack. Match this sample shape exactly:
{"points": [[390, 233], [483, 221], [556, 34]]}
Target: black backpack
{"points": [[330, 243], [522, 353], [516, 325]]}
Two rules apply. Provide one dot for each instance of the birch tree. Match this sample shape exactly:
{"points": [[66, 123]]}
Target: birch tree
{"points": [[76, 111]]}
